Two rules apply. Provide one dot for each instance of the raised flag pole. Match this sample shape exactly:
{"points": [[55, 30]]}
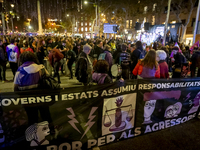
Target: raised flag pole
{"points": [[196, 22]]}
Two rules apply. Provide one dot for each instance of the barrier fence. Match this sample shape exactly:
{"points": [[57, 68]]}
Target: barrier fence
{"points": [[86, 117]]}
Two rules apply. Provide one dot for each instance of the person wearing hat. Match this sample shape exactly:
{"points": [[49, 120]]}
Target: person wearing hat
{"points": [[84, 66]]}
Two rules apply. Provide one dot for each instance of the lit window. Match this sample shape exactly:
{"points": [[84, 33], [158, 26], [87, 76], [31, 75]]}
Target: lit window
{"points": [[75, 28], [145, 20], [154, 6], [131, 23], [82, 29], [153, 20], [81, 18], [86, 29], [127, 23], [173, 22], [90, 28], [86, 24], [145, 9], [137, 20], [81, 23], [90, 24]]}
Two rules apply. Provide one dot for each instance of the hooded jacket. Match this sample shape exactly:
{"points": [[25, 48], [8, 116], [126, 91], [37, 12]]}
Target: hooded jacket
{"points": [[101, 78], [55, 56]]}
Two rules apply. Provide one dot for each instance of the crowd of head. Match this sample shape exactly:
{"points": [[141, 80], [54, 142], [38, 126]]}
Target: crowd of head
{"points": [[97, 60]]}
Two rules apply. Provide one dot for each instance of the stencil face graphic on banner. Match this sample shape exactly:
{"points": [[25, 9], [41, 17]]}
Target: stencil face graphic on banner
{"points": [[118, 113], [152, 97], [196, 104], [37, 132], [148, 111], [173, 110]]}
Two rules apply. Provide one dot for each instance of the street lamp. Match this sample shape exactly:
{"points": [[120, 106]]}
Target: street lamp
{"points": [[29, 27], [95, 4], [12, 5], [73, 23], [29, 20]]}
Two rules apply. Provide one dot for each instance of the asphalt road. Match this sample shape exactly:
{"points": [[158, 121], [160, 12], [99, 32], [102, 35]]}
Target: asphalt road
{"points": [[65, 82]]}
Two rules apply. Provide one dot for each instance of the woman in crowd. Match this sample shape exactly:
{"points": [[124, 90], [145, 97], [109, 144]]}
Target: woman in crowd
{"points": [[71, 57], [147, 67], [28, 77], [55, 59], [25, 47], [41, 51], [161, 57], [100, 76], [178, 59]]}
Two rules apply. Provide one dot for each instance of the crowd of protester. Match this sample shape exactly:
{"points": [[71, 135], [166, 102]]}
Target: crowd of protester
{"points": [[94, 59]]}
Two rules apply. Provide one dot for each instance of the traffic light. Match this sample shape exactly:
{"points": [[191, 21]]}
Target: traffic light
{"points": [[6, 17]]}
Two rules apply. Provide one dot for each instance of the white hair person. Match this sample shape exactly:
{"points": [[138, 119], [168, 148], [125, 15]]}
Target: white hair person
{"points": [[161, 55]]}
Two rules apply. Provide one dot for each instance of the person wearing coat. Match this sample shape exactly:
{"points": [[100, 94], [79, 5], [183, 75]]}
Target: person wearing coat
{"points": [[55, 58], [161, 58], [147, 67]]}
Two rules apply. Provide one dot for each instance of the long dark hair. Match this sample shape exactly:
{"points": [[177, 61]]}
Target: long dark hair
{"points": [[28, 56], [150, 60], [40, 44]]}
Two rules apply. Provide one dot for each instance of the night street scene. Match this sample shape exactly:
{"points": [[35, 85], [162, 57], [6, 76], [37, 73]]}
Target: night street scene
{"points": [[99, 75]]}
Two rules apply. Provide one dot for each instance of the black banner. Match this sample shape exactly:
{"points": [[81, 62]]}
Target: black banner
{"points": [[85, 117]]}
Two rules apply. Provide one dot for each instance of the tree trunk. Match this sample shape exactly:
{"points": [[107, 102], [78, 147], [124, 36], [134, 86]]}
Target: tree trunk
{"points": [[184, 28]]}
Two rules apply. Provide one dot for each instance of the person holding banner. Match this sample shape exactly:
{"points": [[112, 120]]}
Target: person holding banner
{"points": [[84, 67], [161, 57], [147, 67], [195, 64], [100, 76], [28, 78]]}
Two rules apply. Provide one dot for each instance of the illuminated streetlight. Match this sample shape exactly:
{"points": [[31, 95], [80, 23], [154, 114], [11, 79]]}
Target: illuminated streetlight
{"points": [[102, 14], [104, 19], [12, 5], [67, 15], [60, 20], [85, 2], [29, 27], [29, 20]]}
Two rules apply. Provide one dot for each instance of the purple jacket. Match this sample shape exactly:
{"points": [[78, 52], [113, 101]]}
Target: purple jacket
{"points": [[109, 58], [101, 78], [11, 47]]}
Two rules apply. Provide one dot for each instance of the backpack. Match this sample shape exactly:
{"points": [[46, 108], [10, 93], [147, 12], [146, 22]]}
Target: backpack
{"points": [[12, 56], [141, 55], [102, 56]]}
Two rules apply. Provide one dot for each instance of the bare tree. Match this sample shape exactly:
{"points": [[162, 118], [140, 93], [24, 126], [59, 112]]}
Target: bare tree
{"points": [[181, 6]]}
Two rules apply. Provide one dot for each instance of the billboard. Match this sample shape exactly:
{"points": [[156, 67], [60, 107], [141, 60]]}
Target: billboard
{"points": [[108, 28]]}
